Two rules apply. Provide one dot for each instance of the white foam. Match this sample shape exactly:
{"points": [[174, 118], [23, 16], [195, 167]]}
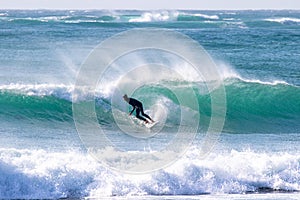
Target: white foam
{"points": [[275, 82], [82, 21], [215, 17], [229, 19], [156, 16], [283, 20], [45, 89], [37, 174], [42, 19], [230, 13], [235, 172], [61, 91], [238, 24], [52, 18], [40, 174]]}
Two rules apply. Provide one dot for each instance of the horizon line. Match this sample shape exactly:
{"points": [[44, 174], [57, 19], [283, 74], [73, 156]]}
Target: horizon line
{"points": [[160, 9]]}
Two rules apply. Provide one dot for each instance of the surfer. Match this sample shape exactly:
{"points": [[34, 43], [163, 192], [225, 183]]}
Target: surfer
{"points": [[139, 108]]}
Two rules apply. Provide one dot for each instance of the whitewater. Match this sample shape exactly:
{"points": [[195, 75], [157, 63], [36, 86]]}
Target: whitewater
{"points": [[257, 154]]}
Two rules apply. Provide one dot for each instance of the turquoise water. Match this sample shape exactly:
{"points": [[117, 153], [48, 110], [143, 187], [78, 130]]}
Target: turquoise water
{"points": [[257, 55]]}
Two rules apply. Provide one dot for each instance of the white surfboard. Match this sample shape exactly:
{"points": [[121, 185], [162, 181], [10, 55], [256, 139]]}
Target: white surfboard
{"points": [[142, 123], [150, 125]]}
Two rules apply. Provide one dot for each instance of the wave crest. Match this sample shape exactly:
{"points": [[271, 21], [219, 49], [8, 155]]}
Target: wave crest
{"points": [[283, 20]]}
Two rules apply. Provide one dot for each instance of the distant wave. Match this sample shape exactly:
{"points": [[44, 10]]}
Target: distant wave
{"points": [[155, 16], [171, 16], [284, 20], [216, 18], [38, 174], [202, 15], [64, 19], [116, 16]]}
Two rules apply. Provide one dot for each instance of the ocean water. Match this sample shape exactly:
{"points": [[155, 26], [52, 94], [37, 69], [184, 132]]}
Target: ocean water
{"points": [[256, 156]]}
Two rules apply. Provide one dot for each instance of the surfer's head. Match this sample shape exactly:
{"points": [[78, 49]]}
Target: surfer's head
{"points": [[125, 97]]}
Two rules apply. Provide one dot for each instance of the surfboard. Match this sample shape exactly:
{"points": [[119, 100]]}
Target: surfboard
{"points": [[142, 123], [150, 125]]}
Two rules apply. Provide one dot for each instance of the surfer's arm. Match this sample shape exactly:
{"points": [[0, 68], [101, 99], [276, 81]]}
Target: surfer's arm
{"points": [[132, 110]]}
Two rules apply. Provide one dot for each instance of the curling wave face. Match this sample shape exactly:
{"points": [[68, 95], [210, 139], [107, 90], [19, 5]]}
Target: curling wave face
{"points": [[255, 105]]}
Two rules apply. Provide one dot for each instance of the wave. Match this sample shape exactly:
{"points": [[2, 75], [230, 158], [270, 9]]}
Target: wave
{"points": [[26, 174], [3, 14], [155, 17], [184, 16], [161, 16], [59, 90], [284, 20], [252, 105], [114, 16], [73, 174], [256, 106], [63, 19], [38, 102], [239, 19]]}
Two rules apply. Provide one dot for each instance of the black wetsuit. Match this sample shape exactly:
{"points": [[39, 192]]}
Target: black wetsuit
{"points": [[139, 108]]}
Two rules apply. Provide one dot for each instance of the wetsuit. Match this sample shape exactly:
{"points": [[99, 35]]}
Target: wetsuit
{"points": [[139, 108]]}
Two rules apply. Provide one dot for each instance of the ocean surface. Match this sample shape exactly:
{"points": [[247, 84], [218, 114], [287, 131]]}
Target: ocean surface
{"points": [[257, 155]]}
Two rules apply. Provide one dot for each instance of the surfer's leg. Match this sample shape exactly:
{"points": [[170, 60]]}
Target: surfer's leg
{"points": [[138, 115], [145, 115]]}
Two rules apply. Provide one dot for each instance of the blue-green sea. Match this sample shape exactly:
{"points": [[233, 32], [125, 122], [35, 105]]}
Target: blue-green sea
{"points": [[257, 156]]}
